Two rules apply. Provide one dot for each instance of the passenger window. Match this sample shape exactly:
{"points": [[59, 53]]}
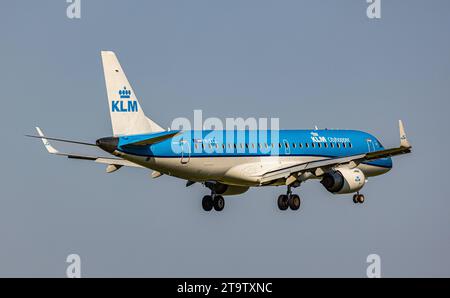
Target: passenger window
{"points": [[331, 145], [338, 145], [300, 145], [319, 145], [350, 145], [343, 145], [326, 145], [286, 145], [306, 145], [293, 145], [312, 145]]}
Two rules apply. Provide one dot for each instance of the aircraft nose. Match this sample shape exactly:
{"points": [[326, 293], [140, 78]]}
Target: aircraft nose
{"points": [[108, 144]]}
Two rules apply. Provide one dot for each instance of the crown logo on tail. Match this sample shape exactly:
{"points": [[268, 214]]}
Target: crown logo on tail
{"points": [[125, 93]]}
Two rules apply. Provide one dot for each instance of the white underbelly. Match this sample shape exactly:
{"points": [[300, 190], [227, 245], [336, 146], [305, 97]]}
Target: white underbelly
{"points": [[245, 171], [231, 170]]}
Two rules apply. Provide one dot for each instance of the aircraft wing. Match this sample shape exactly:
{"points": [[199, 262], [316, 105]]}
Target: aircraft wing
{"points": [[319, 167], [112, 161]]}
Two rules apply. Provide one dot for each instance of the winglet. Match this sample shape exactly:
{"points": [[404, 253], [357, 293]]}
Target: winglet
{"points": [[403, 139], [47, 145]]}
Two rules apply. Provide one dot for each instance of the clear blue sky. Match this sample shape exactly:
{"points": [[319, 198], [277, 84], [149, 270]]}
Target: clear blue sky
{"points": [[309, 63]]}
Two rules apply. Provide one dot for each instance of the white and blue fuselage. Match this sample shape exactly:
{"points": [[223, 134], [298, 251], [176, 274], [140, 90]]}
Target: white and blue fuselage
{"points": [[241, 157]]}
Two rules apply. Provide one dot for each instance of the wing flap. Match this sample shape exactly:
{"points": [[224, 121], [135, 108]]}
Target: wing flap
{"points": [[307, 166]]}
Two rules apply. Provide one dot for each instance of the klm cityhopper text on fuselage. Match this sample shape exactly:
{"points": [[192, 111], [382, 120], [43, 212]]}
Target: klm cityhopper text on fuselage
{"points": [[229, 162]]}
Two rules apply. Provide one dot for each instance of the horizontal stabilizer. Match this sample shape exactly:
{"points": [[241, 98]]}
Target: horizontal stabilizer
{"points": [[47, 144], [113, 161]]}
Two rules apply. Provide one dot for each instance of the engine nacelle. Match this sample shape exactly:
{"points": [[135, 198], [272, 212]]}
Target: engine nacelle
{"points": [[229, 190], [344, 180]]}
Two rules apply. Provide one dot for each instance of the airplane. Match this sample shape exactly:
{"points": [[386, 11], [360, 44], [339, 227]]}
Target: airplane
{"points": [[342, 160]]}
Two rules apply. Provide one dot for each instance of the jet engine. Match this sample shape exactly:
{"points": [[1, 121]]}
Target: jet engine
{"points": [[343, 180]]}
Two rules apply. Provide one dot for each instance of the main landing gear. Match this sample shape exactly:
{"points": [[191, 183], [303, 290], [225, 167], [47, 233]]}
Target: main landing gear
{"points": [[289, 200], [358, 198], [213, 201]]}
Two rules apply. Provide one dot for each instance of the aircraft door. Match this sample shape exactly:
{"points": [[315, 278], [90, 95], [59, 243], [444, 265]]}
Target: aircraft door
{"points": [[185, 151]]}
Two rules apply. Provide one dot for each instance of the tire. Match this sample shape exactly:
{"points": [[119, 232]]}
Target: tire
{"points": [[294, 202], [219, 203], [361, 199], [355, 198], [207, 203], [283, 202]]}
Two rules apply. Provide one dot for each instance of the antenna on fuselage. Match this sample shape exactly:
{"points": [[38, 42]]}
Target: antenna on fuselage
{"points": [[315, 127]]}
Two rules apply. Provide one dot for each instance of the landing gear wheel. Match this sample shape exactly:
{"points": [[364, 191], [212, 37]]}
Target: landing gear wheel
{"points": [[355, 198], [283, 202], [360, 199], [294, 202], [219, 203], [207, 203]]}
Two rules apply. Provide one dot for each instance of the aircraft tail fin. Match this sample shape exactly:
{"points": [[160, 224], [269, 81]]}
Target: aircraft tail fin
{"points": [[127, 116]]}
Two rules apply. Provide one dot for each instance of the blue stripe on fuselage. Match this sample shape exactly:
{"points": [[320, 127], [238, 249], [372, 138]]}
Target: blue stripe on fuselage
{"points": [[356, 142]]}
